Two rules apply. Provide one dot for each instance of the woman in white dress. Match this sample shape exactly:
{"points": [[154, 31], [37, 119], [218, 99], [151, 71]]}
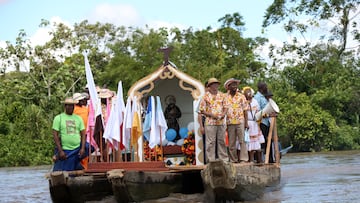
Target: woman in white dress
{"points": [[256, 137]]}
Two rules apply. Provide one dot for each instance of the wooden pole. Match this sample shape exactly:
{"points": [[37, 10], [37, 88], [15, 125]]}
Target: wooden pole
{"points": [[107, 152], [276, 140], [101, 147], [161, 146], [272, 122], [118, 153], [90, 138]]}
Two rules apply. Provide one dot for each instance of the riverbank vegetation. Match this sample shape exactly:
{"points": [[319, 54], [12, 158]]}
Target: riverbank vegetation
{"points": [[316, 84]]}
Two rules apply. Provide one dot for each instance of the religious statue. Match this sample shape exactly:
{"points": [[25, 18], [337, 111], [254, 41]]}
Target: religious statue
{"points": [[172, 114]]}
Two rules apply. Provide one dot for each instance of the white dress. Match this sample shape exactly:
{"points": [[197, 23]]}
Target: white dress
{"points": [[256, 136]]}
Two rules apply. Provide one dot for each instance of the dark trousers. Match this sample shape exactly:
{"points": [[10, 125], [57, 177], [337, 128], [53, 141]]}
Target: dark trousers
{"points": [[265, 131]]}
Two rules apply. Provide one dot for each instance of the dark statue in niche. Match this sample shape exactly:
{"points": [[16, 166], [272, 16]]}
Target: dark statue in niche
{"points": [[172, 113]]}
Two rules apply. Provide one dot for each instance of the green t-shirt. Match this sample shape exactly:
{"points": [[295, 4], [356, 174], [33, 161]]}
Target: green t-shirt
{"points": [[69, 127]]}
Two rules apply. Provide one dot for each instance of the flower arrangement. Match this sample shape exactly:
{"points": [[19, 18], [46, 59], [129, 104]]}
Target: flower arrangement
{"points": [[188, 149], [151, 154]]}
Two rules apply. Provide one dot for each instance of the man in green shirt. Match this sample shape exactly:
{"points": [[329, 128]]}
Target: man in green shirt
{"points": [[69, 137]]}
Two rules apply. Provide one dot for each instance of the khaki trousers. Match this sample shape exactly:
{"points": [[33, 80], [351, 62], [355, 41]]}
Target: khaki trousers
{"points": [[215, 133], [236, 132]]}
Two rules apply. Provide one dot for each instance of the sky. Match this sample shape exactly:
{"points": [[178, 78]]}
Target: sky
{"points": [[199, 14]]}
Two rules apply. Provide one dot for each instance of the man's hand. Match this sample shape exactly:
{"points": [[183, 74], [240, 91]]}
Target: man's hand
{"points": [[273, 114], [202, 130], [62, 155], [246, 125], [81, 152], [220, 116]]}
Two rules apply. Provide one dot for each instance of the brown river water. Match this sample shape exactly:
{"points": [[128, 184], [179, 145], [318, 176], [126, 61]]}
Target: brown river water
{"points": [[305, 177]]}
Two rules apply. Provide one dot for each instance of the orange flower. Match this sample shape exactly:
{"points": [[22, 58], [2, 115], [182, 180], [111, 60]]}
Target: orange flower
{"points": [[188, 149]]}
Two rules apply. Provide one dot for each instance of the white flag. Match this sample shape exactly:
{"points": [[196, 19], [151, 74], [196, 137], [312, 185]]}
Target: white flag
{"points": [[112, 128], [127, 124], [160, 120], [95, 103], [147, 121], [91, 86], [154, 130]]}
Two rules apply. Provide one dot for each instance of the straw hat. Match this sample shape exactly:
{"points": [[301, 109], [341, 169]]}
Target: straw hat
{"points": [[79, 96], [231, 80], [105, 93], [212, 80], [252, 92], [69, 100]]}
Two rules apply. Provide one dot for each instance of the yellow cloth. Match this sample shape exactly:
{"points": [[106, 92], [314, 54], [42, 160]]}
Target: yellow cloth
{"points": [[136, 130]]}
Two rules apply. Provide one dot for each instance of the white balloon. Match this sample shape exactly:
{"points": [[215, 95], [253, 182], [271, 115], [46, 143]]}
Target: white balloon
{"points": [[180, 142], [171, 143], [165, 142], [190, 127]]}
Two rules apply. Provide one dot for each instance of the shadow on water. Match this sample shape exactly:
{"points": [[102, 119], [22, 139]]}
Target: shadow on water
{"points": [[305, 177]]}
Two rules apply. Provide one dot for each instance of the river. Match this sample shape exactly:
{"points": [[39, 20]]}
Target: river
{"points": [[305, 177]]}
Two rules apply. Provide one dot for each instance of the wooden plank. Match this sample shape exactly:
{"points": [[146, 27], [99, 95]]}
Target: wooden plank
{"points": [[269, 140], [128, 166], [187, 168], [276, 143]]}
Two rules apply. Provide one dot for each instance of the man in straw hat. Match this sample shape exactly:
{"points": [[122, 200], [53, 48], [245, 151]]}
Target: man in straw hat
{"points": [[69, 137], [213, 106], [236, 120]]}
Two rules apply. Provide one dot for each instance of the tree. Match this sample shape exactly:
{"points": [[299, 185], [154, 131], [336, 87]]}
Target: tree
{"points": [[341, 16]]}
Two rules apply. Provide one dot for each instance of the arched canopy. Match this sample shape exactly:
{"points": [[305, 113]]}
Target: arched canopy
{"points": [[168, 80]]}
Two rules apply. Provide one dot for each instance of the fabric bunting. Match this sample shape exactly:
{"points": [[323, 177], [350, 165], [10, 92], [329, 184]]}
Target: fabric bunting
{"points": [[136, 131], [112, 132], [147, 121], [95, 105], [160, 121], [154, 131], [127, 124]]}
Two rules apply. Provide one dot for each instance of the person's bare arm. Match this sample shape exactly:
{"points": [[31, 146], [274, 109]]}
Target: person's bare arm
{"points": [[83, 142], [202, 129], [61, 153], [246, 120]]}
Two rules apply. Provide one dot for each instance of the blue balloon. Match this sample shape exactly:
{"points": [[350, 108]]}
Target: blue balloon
{"points": [[170, 134], [183, 132]]}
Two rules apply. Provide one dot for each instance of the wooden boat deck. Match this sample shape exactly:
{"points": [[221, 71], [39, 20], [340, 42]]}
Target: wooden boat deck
{"points": [[127, 166]]}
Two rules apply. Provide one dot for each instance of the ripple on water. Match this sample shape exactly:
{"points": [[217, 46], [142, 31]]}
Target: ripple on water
{"points": [[24, 184]]}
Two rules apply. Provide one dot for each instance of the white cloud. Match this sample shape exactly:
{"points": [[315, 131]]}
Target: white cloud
{"points": [[42, 36], [2, 44], [126, 15], [119, 14]]}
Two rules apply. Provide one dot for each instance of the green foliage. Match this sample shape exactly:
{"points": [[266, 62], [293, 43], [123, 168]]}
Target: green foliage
{"points": [[16, 150], [30, 142], [347, 138], [307, 126]]}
